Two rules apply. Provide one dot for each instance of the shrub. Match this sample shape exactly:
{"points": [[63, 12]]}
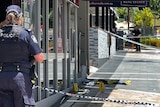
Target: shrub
{"points": [[151, 41]]}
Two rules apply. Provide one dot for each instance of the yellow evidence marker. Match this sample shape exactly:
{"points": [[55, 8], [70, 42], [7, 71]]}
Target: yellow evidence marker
{"points": [[127, 82], [101, 86], [75, 87]]}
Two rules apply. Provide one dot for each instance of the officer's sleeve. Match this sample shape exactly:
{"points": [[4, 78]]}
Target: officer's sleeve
{"points": [[139, 31], [34, 48]]}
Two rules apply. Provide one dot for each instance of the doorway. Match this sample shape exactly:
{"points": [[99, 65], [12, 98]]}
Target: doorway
{"points": [[3, 5]]}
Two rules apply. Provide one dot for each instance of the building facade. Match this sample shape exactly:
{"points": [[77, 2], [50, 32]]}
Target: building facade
{"points": [[55, 24], [62, 31]]}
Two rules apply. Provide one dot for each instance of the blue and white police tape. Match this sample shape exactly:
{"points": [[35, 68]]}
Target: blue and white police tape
{"points": [[98, 98], [131, 41]]}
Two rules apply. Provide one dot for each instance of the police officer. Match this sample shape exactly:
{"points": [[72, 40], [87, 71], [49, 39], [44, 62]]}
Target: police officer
{"points": [[136, 32], [17, 47]]}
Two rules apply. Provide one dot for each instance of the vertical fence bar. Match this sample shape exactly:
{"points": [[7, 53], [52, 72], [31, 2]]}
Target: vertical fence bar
{"points": [[76, 44], [69, 47], [38, 35], [55, 43], [45, 12], [64, 36]]}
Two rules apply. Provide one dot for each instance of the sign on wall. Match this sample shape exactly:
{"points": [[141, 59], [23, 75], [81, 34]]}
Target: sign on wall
{"points": [[120, 3]]}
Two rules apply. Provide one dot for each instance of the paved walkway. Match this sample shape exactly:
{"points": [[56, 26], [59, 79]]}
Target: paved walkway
{"points": [[142, 69]]}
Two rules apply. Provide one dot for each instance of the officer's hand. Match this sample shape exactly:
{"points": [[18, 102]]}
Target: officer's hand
{"points": [[39, 57]]}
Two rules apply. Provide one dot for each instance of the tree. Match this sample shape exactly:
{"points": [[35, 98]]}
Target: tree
{"points": [[122, 12], [155, 7], [144, 18]]}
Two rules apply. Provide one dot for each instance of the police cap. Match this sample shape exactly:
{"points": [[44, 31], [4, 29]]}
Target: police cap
{"points": [[14, 8]]}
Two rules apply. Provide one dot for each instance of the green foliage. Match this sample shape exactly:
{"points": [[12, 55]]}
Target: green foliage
{"points": [[144, 18], [122, 12], [155, 7], [151, 41], [147, 17], [120, 20]]}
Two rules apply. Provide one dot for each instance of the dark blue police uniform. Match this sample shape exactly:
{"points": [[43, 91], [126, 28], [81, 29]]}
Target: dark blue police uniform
{"points": [[17, 46], [136, 32]]}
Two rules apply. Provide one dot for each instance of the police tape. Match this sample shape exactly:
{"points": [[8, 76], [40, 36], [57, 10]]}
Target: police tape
{"points": [[131, 41], [97, 98]]}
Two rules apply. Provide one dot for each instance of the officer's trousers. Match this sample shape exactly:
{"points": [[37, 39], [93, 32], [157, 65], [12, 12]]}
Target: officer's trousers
{"points": [[15, 90], [138, 47]]}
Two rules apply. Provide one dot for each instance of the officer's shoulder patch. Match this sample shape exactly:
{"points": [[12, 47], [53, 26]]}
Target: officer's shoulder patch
{"points": [[34, 39]]}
